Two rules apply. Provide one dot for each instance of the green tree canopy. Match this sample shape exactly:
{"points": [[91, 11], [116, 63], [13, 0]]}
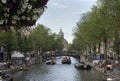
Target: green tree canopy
{"points": [[98, 25]]}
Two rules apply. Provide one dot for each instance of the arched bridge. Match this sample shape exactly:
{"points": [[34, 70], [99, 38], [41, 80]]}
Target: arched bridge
{"points": [[60, 54]]}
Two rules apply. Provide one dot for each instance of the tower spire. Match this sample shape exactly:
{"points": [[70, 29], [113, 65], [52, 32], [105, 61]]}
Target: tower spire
{"points": [[61, 34]]}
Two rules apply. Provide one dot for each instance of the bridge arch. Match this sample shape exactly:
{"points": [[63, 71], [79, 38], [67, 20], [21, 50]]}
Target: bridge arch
{"points": [[44, 56]]}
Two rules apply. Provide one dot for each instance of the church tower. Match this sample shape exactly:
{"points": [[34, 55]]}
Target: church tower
{"points": [[61, 34], [64, 41]]}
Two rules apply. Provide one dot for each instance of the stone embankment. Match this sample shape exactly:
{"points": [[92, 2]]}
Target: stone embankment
{"points": [[15, 69], [115, 73], [90, 63]]}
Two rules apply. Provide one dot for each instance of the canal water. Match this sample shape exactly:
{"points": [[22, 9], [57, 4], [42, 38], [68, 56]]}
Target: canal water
{"points": [[57, 72]]}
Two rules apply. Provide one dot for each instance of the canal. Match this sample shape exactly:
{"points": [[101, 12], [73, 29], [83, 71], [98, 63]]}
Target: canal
{"points": [[57, 72]]}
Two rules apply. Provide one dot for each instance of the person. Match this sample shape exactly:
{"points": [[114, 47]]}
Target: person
{"points": [[108, 65], [0, 78], [116, 62], [1, 55]]}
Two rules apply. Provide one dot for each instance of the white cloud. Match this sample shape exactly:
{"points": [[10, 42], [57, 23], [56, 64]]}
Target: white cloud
{"points": [[85, 0], [58, 5], [80, 12]]}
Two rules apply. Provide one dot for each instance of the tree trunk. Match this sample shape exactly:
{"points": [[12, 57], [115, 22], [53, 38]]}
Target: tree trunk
{"points": [[105, 50], [99, 45], [94, 49], [8, 55]]}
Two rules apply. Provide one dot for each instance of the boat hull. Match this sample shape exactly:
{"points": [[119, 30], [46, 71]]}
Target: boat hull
{"points": [[66, 60], [50, 63], [83, 67]]}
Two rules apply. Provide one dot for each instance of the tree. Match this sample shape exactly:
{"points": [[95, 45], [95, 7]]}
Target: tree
{"points": [[116, 46], [95, 27], [43, 39], [10, 42], [1, 39], [39, 37], [58, 44], [112, 9]]}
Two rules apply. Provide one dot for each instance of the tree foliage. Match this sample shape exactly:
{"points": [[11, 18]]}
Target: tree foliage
{"points": [[43, 39], [9, 42], [27, 40], [98, 25]]}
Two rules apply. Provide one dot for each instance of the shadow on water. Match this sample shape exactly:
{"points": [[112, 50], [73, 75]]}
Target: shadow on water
{"points": [[59, 72]]}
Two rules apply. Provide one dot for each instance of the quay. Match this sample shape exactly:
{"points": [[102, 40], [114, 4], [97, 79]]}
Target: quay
{"points": [[115, 73], [34, 60], [15, 69]]}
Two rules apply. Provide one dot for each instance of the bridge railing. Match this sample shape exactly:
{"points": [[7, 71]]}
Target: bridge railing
{"points": [[60, 54]]}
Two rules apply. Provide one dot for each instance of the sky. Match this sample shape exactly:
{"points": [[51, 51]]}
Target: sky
{"points": [[64, 14]]}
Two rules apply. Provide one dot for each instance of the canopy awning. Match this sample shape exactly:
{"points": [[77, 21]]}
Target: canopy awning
{"points": [[17, 54]]}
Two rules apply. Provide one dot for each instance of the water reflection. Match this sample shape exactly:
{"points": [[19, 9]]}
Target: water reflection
{"points": [[60, 72]]}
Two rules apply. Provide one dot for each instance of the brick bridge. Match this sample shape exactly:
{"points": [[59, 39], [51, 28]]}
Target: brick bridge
{"points": [[60, 54]]}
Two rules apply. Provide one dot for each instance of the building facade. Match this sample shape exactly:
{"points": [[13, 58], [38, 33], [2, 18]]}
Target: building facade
{"points": [[64, 41]]}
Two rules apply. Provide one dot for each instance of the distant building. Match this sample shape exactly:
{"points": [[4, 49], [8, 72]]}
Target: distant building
{"points": [[64, 41]]}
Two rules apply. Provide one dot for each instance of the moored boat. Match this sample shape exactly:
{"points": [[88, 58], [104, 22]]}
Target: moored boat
{"points": [[83, 66]]}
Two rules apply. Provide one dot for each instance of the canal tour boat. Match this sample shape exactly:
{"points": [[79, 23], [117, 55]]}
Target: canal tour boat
{"points": [[50, 61], [66, 60], [83, 66]]}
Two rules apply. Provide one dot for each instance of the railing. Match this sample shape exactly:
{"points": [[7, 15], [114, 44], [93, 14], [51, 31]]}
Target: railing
{"points": [[60, 54]]}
